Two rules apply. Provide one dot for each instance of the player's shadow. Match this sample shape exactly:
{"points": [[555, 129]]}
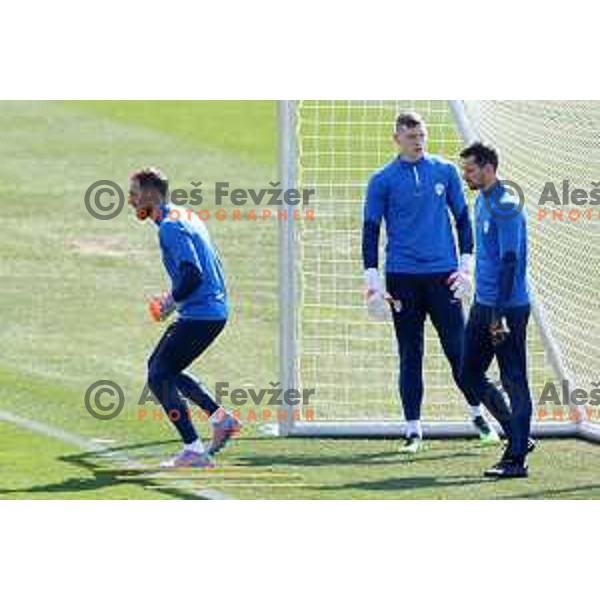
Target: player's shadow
{"points": [[404, 483], [101, 476], [556, 493], [386, 457]]}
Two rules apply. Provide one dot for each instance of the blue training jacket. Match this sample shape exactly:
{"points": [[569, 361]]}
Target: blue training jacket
{"points": [[415, 200]]}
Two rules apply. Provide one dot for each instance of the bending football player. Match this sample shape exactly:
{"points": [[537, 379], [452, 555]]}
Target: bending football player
{"points": [[199, 296]]}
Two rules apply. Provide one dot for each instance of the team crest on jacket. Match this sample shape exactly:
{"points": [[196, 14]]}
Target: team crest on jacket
{"points": [[486, 227], [440, 188]]}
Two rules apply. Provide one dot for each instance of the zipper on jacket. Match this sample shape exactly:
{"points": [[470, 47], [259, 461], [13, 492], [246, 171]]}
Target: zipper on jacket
{"points": [[417, 180]]}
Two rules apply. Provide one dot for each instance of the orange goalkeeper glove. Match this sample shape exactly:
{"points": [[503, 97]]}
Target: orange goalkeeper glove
{"points": [[162, 306]]}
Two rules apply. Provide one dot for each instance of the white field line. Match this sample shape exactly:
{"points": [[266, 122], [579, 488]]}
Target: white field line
{"points": [[88, 445]]}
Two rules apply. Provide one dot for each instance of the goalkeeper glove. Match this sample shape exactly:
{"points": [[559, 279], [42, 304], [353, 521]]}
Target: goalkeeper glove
{"points": [[161, 306], [460, 280], [376, 297]]}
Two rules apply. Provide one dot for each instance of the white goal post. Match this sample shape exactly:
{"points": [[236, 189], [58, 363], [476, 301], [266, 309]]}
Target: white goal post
{"points": [[327, 341]]}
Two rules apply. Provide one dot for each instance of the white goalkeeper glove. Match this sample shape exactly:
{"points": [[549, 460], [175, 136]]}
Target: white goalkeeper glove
{"points": [[460, 280], [377, 304]]}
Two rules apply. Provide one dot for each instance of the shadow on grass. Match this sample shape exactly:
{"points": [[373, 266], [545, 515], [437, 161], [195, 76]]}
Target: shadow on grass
{"points": [[103, 475], [404, 483], [388, 458], [349, 459], [555, 493]]}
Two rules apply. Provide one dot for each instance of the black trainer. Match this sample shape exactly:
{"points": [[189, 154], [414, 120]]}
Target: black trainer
{"points": [[508, 469]]}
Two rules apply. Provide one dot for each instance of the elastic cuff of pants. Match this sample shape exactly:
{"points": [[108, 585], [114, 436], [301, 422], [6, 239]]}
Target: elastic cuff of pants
{"points": [[475, 411]]}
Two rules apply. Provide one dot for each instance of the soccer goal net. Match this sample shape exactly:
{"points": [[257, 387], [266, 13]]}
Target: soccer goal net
{"points": [[327, 340]]}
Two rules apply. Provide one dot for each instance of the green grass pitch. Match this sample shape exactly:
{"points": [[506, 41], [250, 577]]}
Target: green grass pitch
{"points": [[73, 307]]}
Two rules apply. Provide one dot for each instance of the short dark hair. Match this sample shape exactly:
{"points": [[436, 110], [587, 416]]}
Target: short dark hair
{"points": [[151, 177], [482, 154], [409, 120]]}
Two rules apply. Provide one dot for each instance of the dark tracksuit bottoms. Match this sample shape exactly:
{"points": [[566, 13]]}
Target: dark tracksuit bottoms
{"points": [[512, 362], [420, 296], [182, 343]]}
